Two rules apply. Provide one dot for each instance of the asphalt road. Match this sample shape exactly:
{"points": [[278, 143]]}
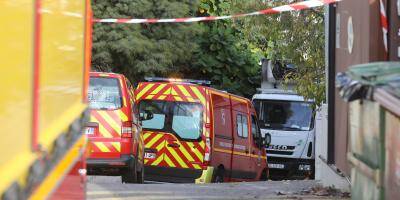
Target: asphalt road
{"points": [[103, 187]]}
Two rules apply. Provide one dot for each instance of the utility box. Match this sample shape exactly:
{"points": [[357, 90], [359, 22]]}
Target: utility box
{"points": [[373, 91], [366, 145]]}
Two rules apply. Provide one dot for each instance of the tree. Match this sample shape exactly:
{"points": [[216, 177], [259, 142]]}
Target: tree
{"points": [[295, 37], [139, 50], [223, 57], [208, 50]]}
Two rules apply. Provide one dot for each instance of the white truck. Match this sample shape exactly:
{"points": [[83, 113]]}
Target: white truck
{"points": [[289, 119]]}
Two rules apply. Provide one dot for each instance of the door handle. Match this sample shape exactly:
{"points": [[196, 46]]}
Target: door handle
{"points": [[174, 145]]}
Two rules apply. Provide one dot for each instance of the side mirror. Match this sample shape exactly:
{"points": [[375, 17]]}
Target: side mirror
{"points": [[147, 115], [267, 139]]}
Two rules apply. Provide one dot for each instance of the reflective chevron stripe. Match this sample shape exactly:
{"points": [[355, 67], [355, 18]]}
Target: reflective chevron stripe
{"points": [[175, 92], [109, 127], [188, 155]]}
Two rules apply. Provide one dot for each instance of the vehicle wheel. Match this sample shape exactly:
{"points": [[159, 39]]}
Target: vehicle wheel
{"points": [[130, 176], [264, 175], [219, 176], [140, 176]]}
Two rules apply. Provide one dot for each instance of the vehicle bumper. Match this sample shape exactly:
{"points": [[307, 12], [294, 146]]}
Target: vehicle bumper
{"points": [[108, 166], [292, 168], [172, 174]]}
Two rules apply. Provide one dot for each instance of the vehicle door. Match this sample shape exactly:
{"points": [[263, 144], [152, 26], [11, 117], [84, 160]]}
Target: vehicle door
{"points": [[184, 141], [107, 117], [258, 161], [241, 157], [153, 131], [222, 132], [173, 137]]}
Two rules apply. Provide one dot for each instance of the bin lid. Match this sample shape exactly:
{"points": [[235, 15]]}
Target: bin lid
{"points": [[360, 81]]}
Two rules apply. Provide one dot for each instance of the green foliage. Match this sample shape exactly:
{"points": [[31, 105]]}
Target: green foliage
{"points": [[223, 61], [225, 52], [211, 50], [139, 50], [295, 37], [222, 57]]}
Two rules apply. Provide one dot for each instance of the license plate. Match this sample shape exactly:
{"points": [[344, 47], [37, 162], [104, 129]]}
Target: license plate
{"points": [[149, 155], [276, 166], [89, 131]]}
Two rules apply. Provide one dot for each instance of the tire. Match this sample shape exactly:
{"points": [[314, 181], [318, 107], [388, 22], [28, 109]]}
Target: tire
{"points": [[219, 176], [140, 176], [264, 175], [130, 175]]}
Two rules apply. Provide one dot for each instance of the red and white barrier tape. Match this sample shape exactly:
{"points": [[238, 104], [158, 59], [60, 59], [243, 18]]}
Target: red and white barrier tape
{"points": [[291, 7], [384, 24]]}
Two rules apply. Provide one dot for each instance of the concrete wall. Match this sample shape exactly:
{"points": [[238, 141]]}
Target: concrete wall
{"points": [[326, 174]]}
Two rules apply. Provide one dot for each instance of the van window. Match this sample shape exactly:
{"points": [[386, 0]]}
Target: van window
{"points": [[104, 93], [186, 120], [255, 130], [159, 110], [182, 119], [241, 126]]}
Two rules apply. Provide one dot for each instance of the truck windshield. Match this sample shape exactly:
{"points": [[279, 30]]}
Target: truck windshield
{"points": [[104, 93], [284, 115], [183, 119]]}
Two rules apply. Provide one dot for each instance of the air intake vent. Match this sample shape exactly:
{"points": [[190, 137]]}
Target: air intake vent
{"points": [[309, 152]]}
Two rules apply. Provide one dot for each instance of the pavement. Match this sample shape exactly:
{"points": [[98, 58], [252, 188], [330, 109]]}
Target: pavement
{"points": [[108, 187]]}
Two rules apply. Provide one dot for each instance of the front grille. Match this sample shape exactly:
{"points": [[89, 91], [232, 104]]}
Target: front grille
{"points": [[280, 152], [281, 149]]}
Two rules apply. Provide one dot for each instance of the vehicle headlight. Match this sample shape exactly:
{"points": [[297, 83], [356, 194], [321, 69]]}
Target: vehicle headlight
{"points": [[305, 167]]}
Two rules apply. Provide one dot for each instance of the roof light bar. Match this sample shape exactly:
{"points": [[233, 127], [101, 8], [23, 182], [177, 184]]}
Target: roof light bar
{"points": [[159, 79]]}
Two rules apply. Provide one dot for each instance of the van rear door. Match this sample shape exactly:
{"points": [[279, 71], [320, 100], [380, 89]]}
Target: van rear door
{"points": [[173, 137], [185, 145], [104, 131]]}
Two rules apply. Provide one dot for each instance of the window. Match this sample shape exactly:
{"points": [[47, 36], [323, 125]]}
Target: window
{"points": [[284, 115], [241, 126], [183, 119], [104, 93], [255, 130], [186, 120], [159, 110]]}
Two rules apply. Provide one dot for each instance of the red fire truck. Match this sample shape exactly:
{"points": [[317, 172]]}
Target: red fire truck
{"points": [[45, 60], [199, 134]]}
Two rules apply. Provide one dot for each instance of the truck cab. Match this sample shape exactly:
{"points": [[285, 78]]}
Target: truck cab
{"points": [[290, 122], [289, 119]]}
